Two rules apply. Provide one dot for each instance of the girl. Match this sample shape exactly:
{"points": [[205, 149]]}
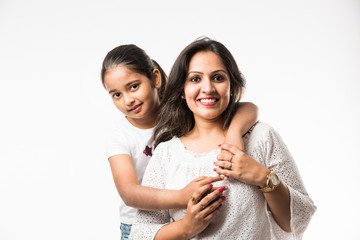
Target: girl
{"points": [[266, 197], [135, 84]]}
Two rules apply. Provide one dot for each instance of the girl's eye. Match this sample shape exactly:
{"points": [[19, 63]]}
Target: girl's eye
{"points": [[134, 87], [218, 78], [116, 95], [195, 79]]}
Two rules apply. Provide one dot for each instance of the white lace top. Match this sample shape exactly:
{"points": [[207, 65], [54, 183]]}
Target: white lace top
{"points": [[244, 214]]}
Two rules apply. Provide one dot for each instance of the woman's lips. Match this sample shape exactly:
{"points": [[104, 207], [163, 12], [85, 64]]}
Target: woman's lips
{"points": [[208, 101]]}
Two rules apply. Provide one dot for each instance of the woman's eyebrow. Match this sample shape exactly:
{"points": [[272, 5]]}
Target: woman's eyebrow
{"points": [[220, 70], [194, 72], [198, 72]]}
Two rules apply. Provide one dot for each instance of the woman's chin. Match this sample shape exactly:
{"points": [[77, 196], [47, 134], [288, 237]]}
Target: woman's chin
{"points": [[210, 117]]}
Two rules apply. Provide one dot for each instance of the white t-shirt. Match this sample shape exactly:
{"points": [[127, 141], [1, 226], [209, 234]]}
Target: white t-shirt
{"points": [[130, 140], [244, 214]]}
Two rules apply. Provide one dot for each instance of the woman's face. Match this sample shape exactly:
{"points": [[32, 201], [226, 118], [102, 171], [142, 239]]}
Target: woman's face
{"points": [[207, 86]]}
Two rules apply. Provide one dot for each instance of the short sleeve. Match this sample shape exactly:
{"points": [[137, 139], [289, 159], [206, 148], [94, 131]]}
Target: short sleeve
{"points": [[148, 223], [279, 159], [117, 143]]}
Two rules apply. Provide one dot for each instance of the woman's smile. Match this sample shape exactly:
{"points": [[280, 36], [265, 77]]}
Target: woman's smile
{"points": [[208, 101], [207, 87]]}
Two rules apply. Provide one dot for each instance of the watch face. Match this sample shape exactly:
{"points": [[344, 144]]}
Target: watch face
{"points": [[274, 179]]}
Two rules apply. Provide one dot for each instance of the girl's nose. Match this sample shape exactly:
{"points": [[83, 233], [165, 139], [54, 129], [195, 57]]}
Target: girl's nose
{"points": [[129, 100]]}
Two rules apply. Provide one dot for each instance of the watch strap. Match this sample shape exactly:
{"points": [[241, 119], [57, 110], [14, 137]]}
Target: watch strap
{"points": [[269, 186]]}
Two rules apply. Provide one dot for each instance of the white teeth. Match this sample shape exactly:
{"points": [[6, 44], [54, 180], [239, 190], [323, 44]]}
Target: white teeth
{"points": [[208, 100]]}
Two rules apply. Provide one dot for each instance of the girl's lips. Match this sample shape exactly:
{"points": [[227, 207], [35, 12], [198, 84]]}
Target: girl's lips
{"points": [[136, 108]]}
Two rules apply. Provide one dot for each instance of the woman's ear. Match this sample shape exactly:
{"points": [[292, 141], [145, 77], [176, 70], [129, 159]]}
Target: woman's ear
{"points": [[157, 78]]}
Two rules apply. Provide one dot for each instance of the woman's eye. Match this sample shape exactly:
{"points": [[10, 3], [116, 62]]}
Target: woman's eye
{"points": [[194, 79], [133, 87], [116, 95], [218, 78]]}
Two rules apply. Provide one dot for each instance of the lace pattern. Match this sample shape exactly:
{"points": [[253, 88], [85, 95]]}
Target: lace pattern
{"points": [[244, 214]]}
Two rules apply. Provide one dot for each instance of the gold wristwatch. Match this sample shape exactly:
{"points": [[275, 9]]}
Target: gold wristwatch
{"points": [[272, 181]]}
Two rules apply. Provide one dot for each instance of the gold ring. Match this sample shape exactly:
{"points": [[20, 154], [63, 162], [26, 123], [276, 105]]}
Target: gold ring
{"points": [[192, 199], [202, 205], [231, 158], [230, 165]]}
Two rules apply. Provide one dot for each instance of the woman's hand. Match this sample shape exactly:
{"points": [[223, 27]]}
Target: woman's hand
{"points": [[196, 185], [237, 164], [202, 207]]}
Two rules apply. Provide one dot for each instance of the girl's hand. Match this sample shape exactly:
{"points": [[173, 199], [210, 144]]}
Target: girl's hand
{"points": [[198, 184], [202, 207], [237, 164], [225, 153]]}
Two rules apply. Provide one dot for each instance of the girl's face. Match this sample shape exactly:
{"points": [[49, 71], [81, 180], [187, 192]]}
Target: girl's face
{"points": [[133, 94], [207, 86]]}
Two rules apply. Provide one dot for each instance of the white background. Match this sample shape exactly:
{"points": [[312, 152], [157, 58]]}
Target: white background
{"points": [[301, 60]]}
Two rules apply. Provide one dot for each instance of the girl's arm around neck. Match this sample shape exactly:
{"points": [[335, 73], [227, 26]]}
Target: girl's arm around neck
{"points": [[245, 117], [135, 195]]}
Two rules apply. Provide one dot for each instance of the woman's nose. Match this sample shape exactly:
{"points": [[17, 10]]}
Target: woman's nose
{"points": [[207, 86]]}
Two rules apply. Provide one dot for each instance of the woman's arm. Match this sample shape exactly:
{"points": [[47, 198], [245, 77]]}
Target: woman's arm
{"points": [[279, 203], [199, 214], [157, 224], [147, 198], [245, 117], [289, 203], [247, 170]]}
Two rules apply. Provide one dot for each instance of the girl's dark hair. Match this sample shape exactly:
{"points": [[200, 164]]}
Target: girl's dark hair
{"points": [[175, 118], [135, 59]]}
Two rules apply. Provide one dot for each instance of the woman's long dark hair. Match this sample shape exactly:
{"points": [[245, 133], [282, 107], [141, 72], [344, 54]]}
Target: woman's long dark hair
{"points": [[175, 118], [135, 59]]}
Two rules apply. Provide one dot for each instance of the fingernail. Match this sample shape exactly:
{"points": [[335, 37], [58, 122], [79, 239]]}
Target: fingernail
{"points": [[214, 169], [223, 197], [220, 204], [220, 189], [219, 145], [214, 163], [210, 185]]}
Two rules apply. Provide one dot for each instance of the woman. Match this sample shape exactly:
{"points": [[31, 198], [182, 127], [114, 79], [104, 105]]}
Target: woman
{"points": [[266, 198], [135, 83]]}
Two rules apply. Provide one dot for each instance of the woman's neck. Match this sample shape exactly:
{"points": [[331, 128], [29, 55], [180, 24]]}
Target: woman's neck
{"points": [[205, 136]]}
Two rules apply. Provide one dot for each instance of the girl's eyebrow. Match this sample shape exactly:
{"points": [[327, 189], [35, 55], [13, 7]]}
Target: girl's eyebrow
{"points": [[128, 84], [131, 82], [111, 91]]}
